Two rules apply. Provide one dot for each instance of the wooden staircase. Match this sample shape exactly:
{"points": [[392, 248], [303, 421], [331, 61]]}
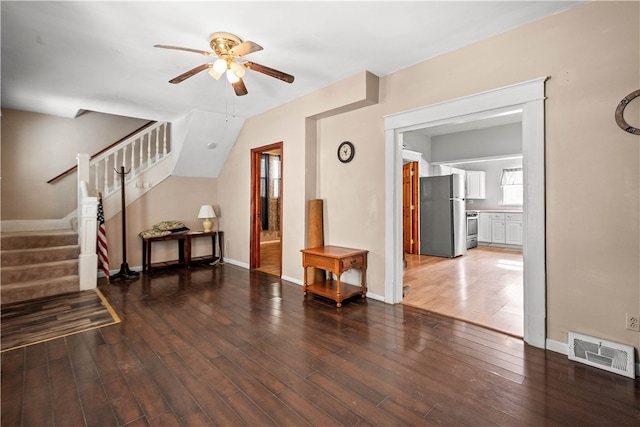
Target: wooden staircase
{"points": [[36, 264]]}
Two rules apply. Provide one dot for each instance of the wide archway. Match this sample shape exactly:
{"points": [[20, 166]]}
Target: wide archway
{"points": [[527, 98]]}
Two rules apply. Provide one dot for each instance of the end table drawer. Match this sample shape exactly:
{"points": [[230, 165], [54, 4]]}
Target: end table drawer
{"points": [[352, 262], [318, 261]]}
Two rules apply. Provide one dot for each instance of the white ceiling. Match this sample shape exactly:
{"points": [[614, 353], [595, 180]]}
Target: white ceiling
{"points": [[62, 58]]}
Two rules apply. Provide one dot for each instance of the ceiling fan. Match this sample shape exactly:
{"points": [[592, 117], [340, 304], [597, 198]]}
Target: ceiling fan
{"points": [[228, 47]]}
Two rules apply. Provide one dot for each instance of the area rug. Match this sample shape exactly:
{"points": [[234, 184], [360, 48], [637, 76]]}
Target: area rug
{"points": [[44, 319]]}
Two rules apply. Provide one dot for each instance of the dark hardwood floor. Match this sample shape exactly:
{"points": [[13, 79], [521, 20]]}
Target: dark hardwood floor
{"points": [[225, 346]]}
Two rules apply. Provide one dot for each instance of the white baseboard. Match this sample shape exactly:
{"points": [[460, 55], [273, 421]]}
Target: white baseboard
{"points": [[375, 296], [292, 280], [236, 263], [558, 347]]}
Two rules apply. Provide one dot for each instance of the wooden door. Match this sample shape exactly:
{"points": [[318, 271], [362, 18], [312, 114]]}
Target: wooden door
{"points": [[410, 207]]}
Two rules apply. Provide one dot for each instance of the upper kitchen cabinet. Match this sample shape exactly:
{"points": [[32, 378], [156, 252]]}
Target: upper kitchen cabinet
{"points": [[439, 170], [476, 187]]}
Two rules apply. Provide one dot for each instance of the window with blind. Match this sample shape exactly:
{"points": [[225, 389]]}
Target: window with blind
{"points": [[511, 182]]}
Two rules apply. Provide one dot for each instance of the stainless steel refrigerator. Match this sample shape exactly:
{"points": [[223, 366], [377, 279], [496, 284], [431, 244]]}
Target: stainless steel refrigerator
{"points": [[442, 216]]}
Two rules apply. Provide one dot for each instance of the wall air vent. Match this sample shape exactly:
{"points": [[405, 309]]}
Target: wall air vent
{"points": [[607, 355]]}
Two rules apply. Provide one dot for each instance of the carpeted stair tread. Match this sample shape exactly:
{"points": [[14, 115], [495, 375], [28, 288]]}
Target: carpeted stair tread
{"points": [[24, 273], [15, 257], [39, 288], [42, 239], [37, 264]]}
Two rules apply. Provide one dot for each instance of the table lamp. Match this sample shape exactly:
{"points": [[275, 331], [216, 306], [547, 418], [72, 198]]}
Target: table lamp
{"points": [[206, 213]]}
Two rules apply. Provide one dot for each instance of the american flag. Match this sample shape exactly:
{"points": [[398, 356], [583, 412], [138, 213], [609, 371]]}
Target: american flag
{"points": [[103, 256]]}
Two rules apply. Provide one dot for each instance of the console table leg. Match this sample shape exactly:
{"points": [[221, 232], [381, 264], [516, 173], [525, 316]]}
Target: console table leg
{"points": [[144, 256], [304, 283]]}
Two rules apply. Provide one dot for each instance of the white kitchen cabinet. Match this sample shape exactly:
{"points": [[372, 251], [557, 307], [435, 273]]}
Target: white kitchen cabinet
{"points": [[476, 188], [500, 228], [513, 229], [458, 171], [484, 227], [497, 228], [439, 170]]}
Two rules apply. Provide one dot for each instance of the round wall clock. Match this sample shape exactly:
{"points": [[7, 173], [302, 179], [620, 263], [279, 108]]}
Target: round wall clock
{"points": [[346, 151]]}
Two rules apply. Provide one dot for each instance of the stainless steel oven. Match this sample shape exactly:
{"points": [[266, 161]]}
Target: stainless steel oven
{"points": [[472, 228]]}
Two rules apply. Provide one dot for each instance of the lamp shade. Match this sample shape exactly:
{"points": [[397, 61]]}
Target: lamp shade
{"points": [[237, 69], [232, 77], [213, 73], [206, 211], [220, 65]]}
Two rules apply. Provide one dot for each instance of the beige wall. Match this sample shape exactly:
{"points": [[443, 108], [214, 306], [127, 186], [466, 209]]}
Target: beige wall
{"points": [[175, 198], [38, 147], [234, 185], [353, 193], [591, 56]]}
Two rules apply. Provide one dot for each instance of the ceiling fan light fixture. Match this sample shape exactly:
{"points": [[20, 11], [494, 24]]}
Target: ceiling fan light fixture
{"points": [[213, 73], [220, 65], [237, 69], [232, 77], [228, 47]]}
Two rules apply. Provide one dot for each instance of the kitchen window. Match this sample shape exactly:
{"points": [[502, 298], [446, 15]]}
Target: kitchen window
{"points": [[511, 182]]}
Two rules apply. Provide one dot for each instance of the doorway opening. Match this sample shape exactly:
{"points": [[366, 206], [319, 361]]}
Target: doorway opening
{"points": [[484, 285], [266, 209], [527, 97]]}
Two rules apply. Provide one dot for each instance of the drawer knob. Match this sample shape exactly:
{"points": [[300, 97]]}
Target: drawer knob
{"points": [[353, 261]]}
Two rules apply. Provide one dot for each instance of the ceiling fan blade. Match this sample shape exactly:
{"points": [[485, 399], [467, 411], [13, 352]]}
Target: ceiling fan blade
{"points": [[191, 72], [240, 88], [246, 48], [186, 49], [269, 71]]}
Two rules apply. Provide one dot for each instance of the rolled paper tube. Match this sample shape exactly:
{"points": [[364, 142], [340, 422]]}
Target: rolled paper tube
{"points": [[316, 237]]}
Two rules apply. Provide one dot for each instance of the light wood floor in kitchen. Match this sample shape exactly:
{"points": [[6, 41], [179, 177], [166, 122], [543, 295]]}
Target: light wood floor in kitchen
{"points": [[484, 287]]}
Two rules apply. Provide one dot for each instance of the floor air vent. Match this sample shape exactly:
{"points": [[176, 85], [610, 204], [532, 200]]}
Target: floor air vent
{"points": [[607, 355]]}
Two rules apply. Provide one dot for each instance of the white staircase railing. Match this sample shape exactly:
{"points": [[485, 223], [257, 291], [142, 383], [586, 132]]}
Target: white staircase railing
{"points": [[138, 155]]}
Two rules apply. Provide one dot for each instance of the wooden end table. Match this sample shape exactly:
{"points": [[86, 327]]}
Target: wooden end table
{"points": [[336, 260]]}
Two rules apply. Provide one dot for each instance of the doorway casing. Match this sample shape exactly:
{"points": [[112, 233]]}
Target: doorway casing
{"points": [[254, 236], [527, 98]]}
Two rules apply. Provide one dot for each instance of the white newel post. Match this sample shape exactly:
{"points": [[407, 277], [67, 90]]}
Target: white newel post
{"points": [[87, 227]]}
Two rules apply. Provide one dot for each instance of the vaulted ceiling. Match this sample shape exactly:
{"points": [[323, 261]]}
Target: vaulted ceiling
{"points": [[62, 58]]}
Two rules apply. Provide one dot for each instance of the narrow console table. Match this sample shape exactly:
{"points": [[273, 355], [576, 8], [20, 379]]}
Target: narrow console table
{"points": [[336, 260], [184, 247]]}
